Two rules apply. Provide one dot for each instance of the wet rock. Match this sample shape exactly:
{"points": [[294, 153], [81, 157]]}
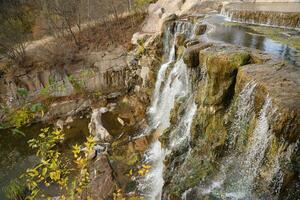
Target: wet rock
{"points": [[221, 66], [225, 70], [191, 55], [200, 29], [191, 42], [179, 39]]}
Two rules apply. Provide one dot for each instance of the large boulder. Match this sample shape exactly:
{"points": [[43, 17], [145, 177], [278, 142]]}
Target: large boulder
{"points": [[96, 128]]}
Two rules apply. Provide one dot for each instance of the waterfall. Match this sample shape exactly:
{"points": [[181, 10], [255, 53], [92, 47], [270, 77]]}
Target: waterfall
{"points": [[181, 134], [253, 15], [176, 86], [238, 171], [254, 155], [168, 88], [244, 107]]}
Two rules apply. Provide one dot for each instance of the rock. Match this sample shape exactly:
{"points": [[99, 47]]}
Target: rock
{"points": [[200, 29], [191, 42], [69, 120], [102, 183], [171, 17], [96, 128], [60, 124], [111, 106], [139, 38], [221, 66], [67, 108], [287, 17], [121, 121], [179, 39], [114, 95], [191, 54], [218, 78]]}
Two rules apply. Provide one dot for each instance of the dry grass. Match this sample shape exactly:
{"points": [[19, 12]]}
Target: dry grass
{"points": [[99, 37], [118, 32]]}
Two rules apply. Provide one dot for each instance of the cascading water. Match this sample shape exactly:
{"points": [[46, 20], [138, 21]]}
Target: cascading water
{"points": [[269, 14], [181, 134], [245, 103], [238, 172], [251, 161], [176, 85]]}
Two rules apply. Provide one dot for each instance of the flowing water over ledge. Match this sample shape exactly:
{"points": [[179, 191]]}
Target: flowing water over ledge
{"points": [[285, 15], [272, 7], [246, 37]]}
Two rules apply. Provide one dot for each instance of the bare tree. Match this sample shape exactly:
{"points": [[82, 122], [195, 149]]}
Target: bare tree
{"points": [[65, 17], [15, 29]]}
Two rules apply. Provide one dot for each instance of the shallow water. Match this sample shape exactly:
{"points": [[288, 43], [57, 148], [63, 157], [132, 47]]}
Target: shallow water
{"points": [[246, 37]]}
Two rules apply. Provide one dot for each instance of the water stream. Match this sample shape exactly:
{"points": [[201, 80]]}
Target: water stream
{"points": [[168, 89]]}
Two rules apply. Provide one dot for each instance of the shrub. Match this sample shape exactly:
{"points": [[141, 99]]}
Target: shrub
{"points": [[54, 169], [21, 117]]}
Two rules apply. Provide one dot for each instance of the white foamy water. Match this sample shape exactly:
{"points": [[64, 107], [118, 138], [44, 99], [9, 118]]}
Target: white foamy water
{"points": [[181, 134], [168, 89], [245, 102]]}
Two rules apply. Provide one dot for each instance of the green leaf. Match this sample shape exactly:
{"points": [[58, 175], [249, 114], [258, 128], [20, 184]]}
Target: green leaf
{"points": [[17, 132]]}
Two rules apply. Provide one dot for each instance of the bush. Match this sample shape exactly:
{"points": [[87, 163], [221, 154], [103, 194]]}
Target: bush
{"points": [[54, 169], [21, 117]]}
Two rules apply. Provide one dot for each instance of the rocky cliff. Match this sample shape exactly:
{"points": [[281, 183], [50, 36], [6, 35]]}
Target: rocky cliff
{"points": [[245, 132]]}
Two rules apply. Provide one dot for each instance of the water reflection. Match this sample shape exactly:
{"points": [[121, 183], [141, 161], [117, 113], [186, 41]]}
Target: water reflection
{"points": [[246, 37]]}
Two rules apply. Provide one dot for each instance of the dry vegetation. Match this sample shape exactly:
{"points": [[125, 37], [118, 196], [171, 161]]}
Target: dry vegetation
{"points": [[98, 37]]}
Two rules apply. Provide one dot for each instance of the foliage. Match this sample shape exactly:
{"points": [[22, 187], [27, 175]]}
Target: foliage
{"points": [[81, 161], [44, 91], [15, 190], [78, 85], [38, 107], [140, 50], [25, 114], [23, 92], [51, 169], [16, 131], [21, 117], [54, 169]]}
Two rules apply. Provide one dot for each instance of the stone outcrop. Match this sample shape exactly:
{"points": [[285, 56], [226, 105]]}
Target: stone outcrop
{"points": [[96, 128], [163, 9]]}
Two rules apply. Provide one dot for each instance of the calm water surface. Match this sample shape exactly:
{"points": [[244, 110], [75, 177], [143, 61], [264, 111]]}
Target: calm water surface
{"points": [[246, 37]]}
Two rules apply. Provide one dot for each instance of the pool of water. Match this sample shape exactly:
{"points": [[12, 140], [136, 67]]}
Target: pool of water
{"points": [[246, 37], [16, 156]]}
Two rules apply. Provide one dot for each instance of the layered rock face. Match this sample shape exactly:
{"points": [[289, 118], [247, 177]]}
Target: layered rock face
{"points": [[272, 14], [108, 73], [244, 140]]}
